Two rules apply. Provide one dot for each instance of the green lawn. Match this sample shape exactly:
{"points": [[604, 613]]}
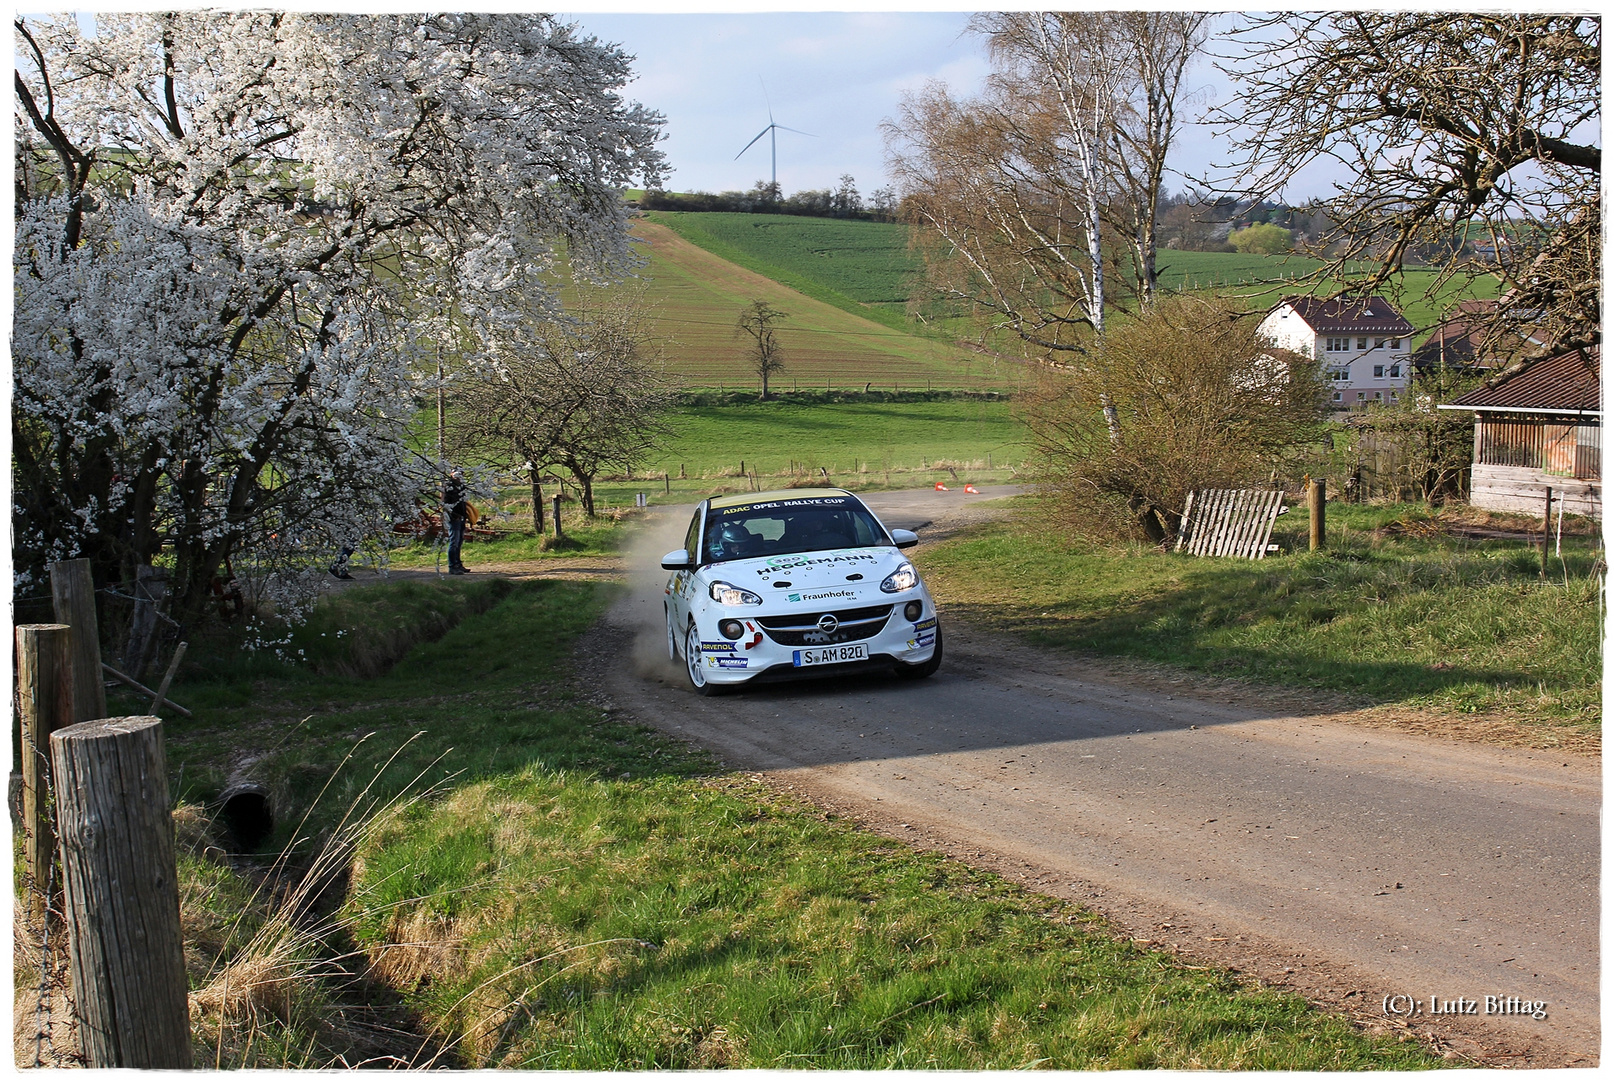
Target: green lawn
{"points": [[1382, 615], [862, 444], [548, 886]]}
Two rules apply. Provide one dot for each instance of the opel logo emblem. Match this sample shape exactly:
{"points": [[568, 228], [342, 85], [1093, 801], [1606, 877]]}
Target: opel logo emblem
{"points": [[828, 623]]}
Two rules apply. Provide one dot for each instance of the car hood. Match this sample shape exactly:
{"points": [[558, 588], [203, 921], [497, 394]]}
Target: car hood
{"points": [[787, 582]]}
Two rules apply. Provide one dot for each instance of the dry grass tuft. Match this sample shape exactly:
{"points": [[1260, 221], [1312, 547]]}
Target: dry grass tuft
{"points": [[422, 947]]}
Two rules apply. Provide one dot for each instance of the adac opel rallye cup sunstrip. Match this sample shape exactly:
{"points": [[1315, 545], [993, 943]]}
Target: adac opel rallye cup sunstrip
{"points": [[786, 584]]}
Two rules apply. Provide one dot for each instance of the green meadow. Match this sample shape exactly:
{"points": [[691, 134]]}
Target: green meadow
{"points": [[870, 268], [532, 881], [1395, 610]]}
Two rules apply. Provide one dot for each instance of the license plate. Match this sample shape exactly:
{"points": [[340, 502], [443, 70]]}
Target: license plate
{"points": [[833, 654]]}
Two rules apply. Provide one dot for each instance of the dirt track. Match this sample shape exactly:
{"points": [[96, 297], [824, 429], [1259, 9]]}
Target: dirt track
{"points": [[1347, 862]]}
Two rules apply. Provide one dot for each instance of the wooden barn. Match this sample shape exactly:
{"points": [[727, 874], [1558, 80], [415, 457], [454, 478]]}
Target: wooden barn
{"points": [[1537, 429]]}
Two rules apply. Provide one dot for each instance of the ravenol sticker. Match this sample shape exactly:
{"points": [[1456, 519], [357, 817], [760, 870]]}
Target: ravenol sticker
{"points": [[717, 646], [732, 662], [928, 624]]}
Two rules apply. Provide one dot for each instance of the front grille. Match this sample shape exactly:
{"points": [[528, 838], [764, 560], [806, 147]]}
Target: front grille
{"points": [[856, 624]]}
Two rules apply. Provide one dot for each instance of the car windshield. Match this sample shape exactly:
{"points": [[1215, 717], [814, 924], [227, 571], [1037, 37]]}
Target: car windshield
{"points": [[789, 526]]}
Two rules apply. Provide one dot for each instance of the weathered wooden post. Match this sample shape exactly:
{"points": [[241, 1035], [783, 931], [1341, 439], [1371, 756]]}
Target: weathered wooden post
{"points": [[1316, 507], [122, 894], [557, 517], [45, 703], [1546, 532], [73, 592]]}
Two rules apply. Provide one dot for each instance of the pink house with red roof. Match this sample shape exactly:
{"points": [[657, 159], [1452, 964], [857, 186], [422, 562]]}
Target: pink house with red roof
{"points": [[1362, 346]]}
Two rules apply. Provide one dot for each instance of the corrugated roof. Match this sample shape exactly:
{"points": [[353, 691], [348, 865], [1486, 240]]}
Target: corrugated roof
{"points": [[1372, 315], [1567, 382]]}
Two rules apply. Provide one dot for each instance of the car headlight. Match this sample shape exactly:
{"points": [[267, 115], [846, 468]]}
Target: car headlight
{"points": [[733, 595], [901, 580]]}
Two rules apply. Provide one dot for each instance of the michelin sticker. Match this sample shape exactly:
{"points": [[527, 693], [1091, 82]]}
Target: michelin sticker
{"points": [[732, 662]]}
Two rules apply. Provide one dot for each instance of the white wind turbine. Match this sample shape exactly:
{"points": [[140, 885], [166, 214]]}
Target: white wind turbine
{"points": [[772, 131]]}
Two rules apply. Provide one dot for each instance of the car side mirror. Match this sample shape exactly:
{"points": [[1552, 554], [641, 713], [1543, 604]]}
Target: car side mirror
{"points": [[904, 538], [675, 560]]}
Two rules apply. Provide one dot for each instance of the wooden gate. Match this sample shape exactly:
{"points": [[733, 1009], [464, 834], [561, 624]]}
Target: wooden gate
{"points": [[1235, 523]]}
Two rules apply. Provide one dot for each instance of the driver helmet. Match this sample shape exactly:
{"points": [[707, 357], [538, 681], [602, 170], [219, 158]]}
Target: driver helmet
{"points": [[736, 539]]}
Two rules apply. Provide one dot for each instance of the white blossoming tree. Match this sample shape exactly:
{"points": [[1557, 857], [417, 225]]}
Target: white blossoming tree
{"points": [[232, 234]]}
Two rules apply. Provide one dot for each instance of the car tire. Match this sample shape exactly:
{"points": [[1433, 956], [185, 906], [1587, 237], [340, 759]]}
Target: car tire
{"points": [[692, 664], [926, 669], [672, 636]]}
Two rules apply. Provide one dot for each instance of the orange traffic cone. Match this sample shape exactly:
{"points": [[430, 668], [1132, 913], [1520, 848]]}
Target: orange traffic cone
{"points": [[970, 488], [940, 486]]}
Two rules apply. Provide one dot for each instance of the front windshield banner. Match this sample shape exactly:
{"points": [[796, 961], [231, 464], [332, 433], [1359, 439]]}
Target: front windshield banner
{"points": [[789, 527]]}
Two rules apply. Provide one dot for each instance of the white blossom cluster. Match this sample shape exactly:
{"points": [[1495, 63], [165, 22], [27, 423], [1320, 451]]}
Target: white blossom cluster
{"points": [[235, 235]]}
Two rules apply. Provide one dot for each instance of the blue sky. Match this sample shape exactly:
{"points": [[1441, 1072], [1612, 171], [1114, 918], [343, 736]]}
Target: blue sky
{"points": [[836, 75]]}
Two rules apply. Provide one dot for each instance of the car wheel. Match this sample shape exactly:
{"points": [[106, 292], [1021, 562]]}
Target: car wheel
{"points": [[672, 637], [693, 665], [928, 668]]}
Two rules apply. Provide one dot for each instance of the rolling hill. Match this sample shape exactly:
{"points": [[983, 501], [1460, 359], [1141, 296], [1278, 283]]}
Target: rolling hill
{"points": [[699, 296]]}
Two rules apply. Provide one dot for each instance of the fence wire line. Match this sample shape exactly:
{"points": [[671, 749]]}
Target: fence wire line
{"points": [[42, 1026]]}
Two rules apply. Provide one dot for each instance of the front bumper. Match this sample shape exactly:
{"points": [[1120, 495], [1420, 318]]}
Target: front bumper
{"points": [[758, 656]]}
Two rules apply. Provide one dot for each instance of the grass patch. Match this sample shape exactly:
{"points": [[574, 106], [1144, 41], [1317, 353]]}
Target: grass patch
{"points": [[860, 444], [511, 516], [847, 439], [1387, 614], [589, 922], [578, 891]]}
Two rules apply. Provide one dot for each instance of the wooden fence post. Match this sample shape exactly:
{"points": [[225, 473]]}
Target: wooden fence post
{"points": [[1546, 532], [1316, 507], [122, 894], [73, 592], [45, 703], [557, 517]]}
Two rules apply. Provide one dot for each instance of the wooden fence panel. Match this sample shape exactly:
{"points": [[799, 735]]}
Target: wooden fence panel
{"points": [[1235, 524]]}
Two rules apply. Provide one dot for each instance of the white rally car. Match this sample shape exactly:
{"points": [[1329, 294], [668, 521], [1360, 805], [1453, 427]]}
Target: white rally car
{"points": [[791, 583]]}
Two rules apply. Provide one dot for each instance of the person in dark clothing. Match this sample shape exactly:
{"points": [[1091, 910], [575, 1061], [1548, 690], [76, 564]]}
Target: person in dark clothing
{"points": [[456, 510], [339, 567]]}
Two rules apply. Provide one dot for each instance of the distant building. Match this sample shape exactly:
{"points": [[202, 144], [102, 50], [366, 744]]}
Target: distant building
{"points": [[1464, 340], [1537, 429], [1361, 346]]}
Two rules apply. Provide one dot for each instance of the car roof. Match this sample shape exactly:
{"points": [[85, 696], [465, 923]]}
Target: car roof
{"points": [[758, 497]]}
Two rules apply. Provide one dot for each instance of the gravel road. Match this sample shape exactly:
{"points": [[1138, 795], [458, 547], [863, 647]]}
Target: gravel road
{"points": [[1363, 868]]}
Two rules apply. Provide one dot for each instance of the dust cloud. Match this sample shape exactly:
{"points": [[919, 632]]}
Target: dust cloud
{"points": [[640, 611]]}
